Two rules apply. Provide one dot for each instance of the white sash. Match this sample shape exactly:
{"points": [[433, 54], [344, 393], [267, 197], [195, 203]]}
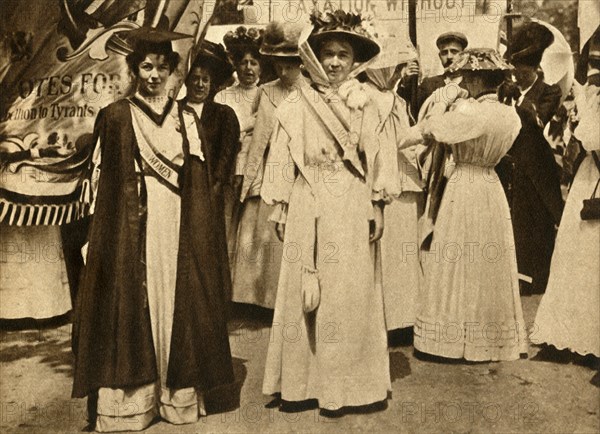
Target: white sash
{"points": [[152, 158], [348, 142]]}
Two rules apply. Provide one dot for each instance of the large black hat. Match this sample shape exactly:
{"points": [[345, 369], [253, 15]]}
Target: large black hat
{"points": [[348, 26], [214, 57], [589, 54], [530, 43], [154, 39]]}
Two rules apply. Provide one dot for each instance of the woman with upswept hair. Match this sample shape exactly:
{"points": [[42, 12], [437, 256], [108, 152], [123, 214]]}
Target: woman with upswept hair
{"points": [[150, 335], [243, 47]]}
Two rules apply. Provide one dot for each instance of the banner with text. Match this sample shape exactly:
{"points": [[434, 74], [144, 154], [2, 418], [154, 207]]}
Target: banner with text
{"points": [[479, 20], [62, 61]]}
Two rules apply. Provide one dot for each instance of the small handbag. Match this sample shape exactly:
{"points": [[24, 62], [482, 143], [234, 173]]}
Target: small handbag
{"points": [[311, 289], [591, 206]]}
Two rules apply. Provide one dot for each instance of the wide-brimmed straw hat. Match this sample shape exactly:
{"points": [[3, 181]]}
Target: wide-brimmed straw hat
{"points": [[346, 26], [478, 59]]}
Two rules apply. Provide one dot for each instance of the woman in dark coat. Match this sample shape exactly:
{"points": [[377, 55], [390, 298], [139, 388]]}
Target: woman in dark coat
{"points": [[530, 173], [150, 335], [218, 125]]}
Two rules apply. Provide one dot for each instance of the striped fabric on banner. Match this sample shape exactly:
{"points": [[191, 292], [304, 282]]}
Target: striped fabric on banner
{"points": [[61, 62]]}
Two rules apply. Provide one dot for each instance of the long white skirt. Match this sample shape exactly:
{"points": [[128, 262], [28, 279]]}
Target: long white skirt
{"points": [[400, 267], [471, 306], [338, 353], [33, 275], [135, 408], [257, 256], [568, 316]]}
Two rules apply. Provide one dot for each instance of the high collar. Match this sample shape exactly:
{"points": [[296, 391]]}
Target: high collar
{"points": [[150, 108], [155, 103], [527, 89], [248, 86], [299, 81]]}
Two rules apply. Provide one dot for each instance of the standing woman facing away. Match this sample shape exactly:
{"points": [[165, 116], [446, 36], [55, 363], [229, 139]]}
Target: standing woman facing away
{"points": [[149, 334], [470, 306], [258, 254], [400, 268], [529, 172]]}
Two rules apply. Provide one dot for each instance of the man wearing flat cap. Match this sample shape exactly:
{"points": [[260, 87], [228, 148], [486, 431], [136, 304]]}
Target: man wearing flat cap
{"points": [[449, 44]]}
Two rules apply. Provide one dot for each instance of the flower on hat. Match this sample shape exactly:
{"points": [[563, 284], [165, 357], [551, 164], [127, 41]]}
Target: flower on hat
{"points": [[243, 36], [476, 59], [340, 20], [357, 30]]}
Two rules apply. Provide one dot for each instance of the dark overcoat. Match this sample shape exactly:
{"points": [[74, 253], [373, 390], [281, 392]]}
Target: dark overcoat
{"points": [[531, 178], [112, 336]]}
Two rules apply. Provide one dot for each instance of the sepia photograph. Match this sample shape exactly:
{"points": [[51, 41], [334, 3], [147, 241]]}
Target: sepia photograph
{"points": [[300, 216]]}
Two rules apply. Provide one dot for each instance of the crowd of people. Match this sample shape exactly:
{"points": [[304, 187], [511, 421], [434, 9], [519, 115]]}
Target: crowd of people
{"points": [[336, 193]]}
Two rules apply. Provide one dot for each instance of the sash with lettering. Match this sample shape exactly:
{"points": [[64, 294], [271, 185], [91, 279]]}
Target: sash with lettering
{"points": [[161, 166]]}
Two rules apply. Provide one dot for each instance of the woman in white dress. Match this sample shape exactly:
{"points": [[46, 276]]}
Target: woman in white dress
{"points": [[258, 253], [400, 267], [328, 339], [567, 317], [243, 45], [470, 307]]}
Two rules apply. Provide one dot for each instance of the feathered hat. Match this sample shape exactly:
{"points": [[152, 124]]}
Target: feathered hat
{"points": [[242, 41], [350, 27], [281, 39], [478, 59], [213, 56], [530, 43]]}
